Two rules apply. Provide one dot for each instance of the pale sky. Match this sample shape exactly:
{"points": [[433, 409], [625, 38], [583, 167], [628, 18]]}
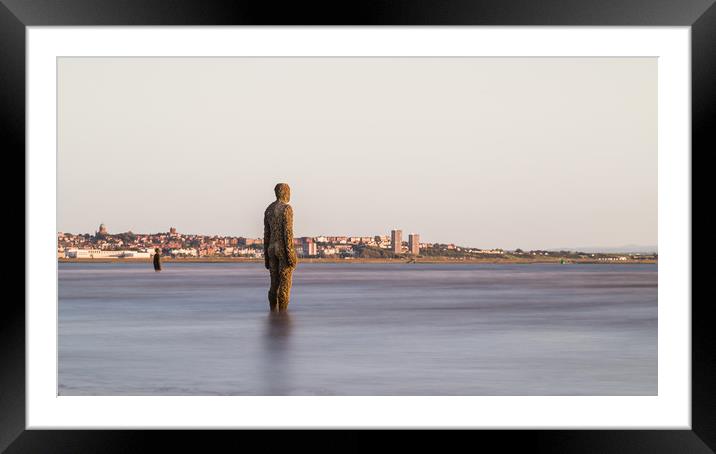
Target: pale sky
{"points": [[484, 152]]}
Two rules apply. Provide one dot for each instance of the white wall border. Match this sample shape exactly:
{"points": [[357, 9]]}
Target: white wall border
{"points": [[669, 409]]}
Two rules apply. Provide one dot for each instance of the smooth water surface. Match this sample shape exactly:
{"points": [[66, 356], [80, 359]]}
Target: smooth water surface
{"points": [[358, 329]]}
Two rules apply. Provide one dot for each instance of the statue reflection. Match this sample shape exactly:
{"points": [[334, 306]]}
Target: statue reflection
{"points": [[276, 358]]}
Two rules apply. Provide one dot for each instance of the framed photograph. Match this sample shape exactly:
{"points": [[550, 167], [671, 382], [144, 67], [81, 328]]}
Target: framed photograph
{"points": [[436, 216]]}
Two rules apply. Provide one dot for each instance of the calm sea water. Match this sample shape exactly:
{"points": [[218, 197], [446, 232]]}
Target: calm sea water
{"points": [[358, 329]]}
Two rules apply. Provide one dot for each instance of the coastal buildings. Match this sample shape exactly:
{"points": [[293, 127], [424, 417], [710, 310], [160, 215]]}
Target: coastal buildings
{"points": [[99, 253], [182, 252], [174, 244], [328, 252], [309, 247], [136, 254], [396, 241], [414, 243], [129, 245], [249, 241]]}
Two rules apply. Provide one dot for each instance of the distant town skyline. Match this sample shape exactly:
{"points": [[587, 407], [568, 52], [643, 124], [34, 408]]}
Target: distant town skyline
{"points": [[531, 153], [104, 244], [413, 241]]}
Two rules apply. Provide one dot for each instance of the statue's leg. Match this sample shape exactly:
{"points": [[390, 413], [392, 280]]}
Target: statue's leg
{"points": [[284, 287], [273, 290]]}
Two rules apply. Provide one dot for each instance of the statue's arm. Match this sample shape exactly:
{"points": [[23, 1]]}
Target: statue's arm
{"points": [[267, 238], [288, 236]]}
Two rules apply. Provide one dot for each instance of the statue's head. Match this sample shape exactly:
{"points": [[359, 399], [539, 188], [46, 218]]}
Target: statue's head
{"points": [[156, 250], [283, 192]]}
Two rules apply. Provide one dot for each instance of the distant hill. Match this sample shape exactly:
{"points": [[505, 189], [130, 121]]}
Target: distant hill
{"points": [[625, 248]]}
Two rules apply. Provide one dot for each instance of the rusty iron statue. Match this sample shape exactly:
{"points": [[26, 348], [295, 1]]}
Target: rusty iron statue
{"points": [[157, 260], [279, 253]]}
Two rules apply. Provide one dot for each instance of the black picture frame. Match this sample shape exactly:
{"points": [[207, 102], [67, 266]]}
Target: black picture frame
{"points": [[16, 15]]}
